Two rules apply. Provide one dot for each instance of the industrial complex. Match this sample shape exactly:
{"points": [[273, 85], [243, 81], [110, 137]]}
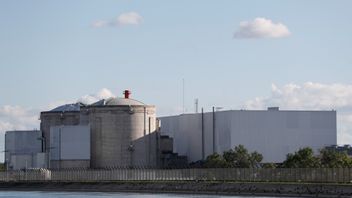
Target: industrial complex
{"points": [[123, 132]]}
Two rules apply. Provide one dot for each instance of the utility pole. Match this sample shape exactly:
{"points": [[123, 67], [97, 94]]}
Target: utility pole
{"points": [[203, 138], [214, 130], [183, 95]]}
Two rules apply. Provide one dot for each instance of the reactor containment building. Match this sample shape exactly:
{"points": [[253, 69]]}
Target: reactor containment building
{"points": [[113, 132]]}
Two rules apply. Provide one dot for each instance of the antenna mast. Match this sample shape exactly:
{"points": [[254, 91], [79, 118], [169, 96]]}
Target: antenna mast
{"points": [[183, 95], [196, 105]]}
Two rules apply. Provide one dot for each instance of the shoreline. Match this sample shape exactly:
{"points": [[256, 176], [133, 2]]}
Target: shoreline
{"points": [[189, 187]]}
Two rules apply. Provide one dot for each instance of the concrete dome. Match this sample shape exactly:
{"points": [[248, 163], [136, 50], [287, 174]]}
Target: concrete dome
{"points": [[68, 107], [117, 102]]}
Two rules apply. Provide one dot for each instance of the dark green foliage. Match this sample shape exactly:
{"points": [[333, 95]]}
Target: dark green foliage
{"points": [[215, 161], [2, 167], [239, 157], [234, 158], [255, 159], [334, 159], [269, 165], [303, 158]]}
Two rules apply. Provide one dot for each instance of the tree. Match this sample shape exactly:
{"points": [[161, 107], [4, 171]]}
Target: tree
{"points": [[215, 161], [255, 159], [2, 167], [334, 159], [240, 158], [303, 158], [269, 165]]}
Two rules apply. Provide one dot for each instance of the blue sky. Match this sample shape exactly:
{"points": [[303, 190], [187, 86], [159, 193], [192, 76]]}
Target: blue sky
{"points": [[50, 51]]}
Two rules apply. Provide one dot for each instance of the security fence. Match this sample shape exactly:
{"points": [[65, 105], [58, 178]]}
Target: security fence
{"points": [[315, 175]]}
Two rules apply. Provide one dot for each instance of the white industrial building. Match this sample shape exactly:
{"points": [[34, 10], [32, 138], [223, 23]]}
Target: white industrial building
{"points": [[273, 132]]}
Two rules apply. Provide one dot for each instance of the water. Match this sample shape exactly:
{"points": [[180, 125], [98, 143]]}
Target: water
{"points": [[35, 194]]}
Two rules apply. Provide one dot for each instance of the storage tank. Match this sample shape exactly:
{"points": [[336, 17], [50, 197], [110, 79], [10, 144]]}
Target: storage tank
{"points": [[123, 133]]}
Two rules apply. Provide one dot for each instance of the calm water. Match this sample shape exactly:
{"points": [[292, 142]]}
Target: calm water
{"points": [[16, 194]]}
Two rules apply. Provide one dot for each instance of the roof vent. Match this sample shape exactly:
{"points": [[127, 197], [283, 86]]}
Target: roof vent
{"points": [[127, 93], [273, 108]]}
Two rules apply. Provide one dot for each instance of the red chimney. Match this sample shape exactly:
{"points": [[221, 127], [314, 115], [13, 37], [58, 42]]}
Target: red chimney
{"points": [[127, 93]]}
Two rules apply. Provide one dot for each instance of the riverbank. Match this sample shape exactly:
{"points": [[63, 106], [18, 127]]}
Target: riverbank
{"points": [[223, 188]]}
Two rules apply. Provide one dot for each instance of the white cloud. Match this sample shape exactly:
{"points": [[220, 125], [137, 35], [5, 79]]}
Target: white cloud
{"points": [[313, 96], [128, 18], [100, 23], [307, 96], [104, 93], [17, 118], [261, 28], [91, 98]]}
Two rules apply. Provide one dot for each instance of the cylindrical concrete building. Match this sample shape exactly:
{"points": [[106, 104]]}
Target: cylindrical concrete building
{"points": [[123, 133]]}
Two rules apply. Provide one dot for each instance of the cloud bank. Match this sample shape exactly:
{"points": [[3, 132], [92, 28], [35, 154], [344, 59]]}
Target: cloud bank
{"points": [[312, 96], [309, 95], [261, 28], [91, 98], [17, 117], [128, 18]]}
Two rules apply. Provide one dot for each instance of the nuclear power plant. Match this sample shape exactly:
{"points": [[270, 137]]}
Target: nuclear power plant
{"points": [[113, 132], [124, 132], [117, 132]]}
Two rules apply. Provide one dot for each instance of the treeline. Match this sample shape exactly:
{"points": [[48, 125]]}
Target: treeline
{"points": [[239, 157]]}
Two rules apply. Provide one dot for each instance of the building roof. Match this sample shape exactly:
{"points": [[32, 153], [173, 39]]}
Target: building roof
{"points": [[117, 102], [68, 107]]}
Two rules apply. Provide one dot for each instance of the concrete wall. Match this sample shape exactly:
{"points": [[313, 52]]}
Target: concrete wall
{"points": [[21, 161], [50, 119], [272, 133], [70, 142], [166, 144], [69, 145], [41, 160], [62, 164]]}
